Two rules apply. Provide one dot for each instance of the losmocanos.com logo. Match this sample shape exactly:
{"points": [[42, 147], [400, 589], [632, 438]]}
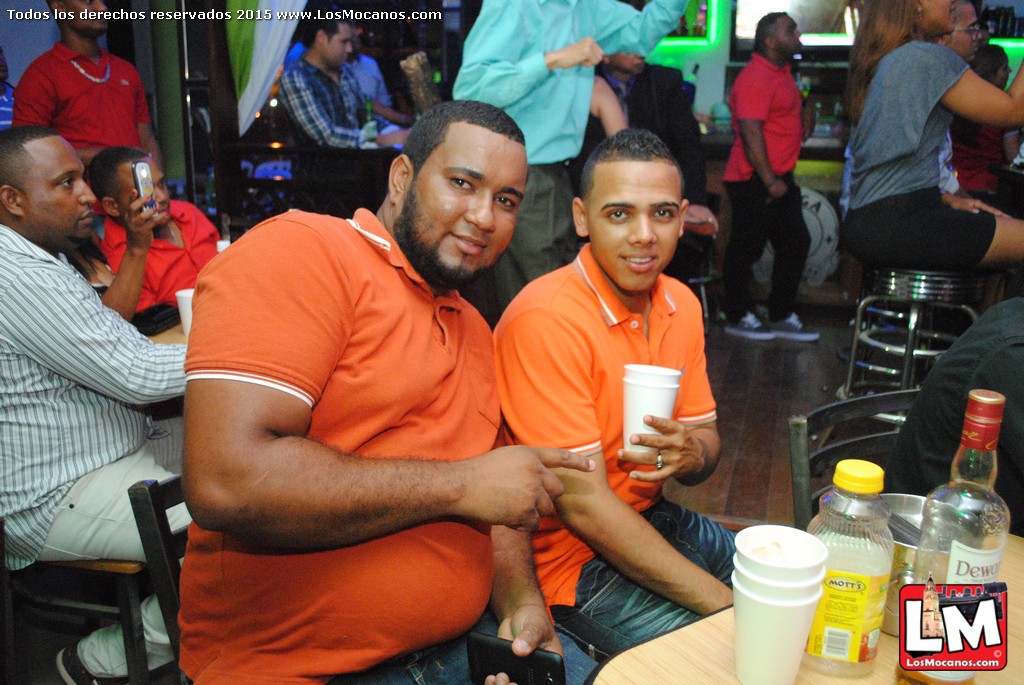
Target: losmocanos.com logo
{"points": [[953, 627]]}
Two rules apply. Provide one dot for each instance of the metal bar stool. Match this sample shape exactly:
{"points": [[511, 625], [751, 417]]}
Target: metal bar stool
{"points": [[894, 316]]}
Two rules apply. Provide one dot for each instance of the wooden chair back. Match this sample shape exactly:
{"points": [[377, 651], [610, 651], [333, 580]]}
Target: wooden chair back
{"points": [[163, 547]]}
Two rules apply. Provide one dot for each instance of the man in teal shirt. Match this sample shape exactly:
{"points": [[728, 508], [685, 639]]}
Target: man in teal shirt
{"points": [[535, 59]]}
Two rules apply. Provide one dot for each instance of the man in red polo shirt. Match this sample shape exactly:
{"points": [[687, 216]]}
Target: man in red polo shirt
{"points": [[92, 98], [183, 242], [766, 202]]}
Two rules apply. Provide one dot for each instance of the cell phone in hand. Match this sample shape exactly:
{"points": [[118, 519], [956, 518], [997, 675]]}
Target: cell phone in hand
{"points": [[143, 177], [490, 655]]}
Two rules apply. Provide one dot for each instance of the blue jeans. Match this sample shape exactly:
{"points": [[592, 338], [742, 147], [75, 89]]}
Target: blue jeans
{"points": [[448, 664], [613, 613]]}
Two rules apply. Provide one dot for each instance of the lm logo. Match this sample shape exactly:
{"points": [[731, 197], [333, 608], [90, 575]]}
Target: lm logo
{"points": [[953, 627]]}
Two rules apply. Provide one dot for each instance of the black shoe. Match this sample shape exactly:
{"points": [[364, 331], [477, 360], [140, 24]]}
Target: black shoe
{"points": [[73, 672]]}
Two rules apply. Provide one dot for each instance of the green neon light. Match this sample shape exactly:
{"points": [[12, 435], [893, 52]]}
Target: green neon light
{"points": [[672, 48], [1013, 46]]}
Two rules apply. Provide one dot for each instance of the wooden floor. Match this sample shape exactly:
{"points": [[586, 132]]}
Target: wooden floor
{"points": [[758, 386]]}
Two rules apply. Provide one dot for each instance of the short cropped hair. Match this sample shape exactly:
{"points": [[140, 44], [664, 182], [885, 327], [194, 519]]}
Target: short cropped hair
{"points": [[429, 130], [628, 145], [13, 158], [989, 59], [104, 166], [764, 28], [323, 16]]}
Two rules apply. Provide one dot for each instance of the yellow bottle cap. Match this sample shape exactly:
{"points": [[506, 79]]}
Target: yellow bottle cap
{"points": [[857, 475]]}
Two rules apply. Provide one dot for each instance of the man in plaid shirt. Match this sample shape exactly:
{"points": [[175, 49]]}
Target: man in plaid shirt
{"points": [[321, 97]]}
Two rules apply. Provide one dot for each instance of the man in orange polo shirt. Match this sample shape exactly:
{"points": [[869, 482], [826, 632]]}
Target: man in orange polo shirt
{"points": [[352, 513], [618, 564]]}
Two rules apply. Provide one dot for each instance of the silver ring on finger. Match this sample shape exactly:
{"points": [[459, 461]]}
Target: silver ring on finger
{"points": [[659, 462]]}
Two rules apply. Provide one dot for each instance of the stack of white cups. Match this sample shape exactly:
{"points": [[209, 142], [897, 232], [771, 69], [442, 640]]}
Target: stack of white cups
{"points": [[776, 585], [648, 391]]}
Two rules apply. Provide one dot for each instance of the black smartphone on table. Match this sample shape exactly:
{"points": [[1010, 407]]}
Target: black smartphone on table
{"points": [[490, 655], [143, 177]]}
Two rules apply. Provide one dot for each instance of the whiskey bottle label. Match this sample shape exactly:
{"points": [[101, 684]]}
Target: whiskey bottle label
{"points": [[968, 565]]}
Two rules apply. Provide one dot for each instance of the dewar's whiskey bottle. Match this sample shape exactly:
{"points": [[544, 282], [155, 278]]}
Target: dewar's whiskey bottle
{"points": [[965, 523]]}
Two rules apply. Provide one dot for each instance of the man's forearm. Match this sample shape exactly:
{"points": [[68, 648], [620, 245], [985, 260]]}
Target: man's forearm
{"points": [[345, 499], [628, 542], [515, 577], [756, 149], [123, 294], [251, 472], [394, 116]]}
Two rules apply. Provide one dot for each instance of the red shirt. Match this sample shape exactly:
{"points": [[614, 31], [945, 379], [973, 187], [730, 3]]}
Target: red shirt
{"points": [[331, 312], [767, 93], [169, 268], [972, 159], [53, 92]]}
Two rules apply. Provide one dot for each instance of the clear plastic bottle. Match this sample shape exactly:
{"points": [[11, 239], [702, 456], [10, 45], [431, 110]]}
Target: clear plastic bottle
{"points": [[853, 522]]}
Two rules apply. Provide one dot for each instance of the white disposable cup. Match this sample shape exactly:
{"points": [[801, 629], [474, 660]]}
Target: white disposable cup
{"points": [[185, 308], [801, 555], [776, 589], [223, 245], [653, 374], [640, 399], [771, 635]]}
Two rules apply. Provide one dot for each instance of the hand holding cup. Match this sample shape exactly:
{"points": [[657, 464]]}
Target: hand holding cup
{"points": [[649, 395], [673, 451]]}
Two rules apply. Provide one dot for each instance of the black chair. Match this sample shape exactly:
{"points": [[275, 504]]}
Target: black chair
{"points": [[813, 453], [44, 590], [162, 546]]}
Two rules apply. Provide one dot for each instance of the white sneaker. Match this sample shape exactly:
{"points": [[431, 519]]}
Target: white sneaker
{"points": [[791, 328], [750, 327]]}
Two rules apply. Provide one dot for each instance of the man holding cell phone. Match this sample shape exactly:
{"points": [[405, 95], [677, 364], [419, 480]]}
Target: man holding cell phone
{"points": [[184, 240]]}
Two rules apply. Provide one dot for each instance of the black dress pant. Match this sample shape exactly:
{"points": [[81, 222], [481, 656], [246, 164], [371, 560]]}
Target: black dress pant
{"points": [[755, 222]]}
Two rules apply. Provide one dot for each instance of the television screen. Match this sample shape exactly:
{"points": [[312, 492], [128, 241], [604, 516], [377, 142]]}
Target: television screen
{"points": [[827, 27]]}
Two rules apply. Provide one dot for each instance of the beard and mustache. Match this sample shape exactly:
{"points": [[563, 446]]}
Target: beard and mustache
{"points": [[409, 231]]}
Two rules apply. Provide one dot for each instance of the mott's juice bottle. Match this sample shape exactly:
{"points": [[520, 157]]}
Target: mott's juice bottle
{"points": [[853, 522]]}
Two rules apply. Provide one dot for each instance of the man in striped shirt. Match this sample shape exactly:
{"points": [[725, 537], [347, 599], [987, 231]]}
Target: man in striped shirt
{"points": [[74, 376]]}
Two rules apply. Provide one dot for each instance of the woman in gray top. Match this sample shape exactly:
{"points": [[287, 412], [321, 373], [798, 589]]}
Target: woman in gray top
{"points": [[902, 92]]}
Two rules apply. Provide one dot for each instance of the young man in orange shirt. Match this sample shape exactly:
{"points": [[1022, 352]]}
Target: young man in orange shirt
{"points": [[618, 564], [353, 515]]}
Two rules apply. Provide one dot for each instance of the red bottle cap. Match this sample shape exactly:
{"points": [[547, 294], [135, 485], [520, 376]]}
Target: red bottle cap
{"points": [[985, 405]]}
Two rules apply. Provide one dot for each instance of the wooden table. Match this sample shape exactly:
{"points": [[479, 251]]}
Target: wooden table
{"points": [[702, 652], [172, 336]]}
